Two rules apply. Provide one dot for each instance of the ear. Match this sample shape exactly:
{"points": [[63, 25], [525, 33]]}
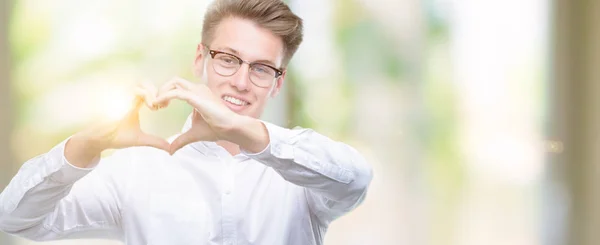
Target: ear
{"points": [[278, 84], [198, 66]]}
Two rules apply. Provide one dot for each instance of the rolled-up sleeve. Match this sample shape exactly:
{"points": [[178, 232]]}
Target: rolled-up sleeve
{"points": [[335, 176]]}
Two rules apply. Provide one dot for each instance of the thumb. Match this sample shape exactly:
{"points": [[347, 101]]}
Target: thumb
{"points": [[183, 140], [134, 112], [152, 141]]}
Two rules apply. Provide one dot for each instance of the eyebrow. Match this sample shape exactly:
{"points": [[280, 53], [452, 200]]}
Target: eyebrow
{"points": [[233, 51]]}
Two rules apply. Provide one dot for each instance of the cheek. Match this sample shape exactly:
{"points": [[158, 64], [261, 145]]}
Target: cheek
{"points": [[263, 96], [213, 80], [209, 76]]}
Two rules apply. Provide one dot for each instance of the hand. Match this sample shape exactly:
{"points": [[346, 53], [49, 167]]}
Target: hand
{"points": [[199, 131], [211, 119], [86, 145]]}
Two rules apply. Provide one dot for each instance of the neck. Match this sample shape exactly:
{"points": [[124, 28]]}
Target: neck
{"points": [[232, 148]]}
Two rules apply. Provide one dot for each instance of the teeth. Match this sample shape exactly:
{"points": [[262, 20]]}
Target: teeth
{"points": [[234, 101]]}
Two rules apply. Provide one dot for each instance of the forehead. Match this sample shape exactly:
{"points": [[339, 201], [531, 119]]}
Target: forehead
{"points": [[249, 40]]}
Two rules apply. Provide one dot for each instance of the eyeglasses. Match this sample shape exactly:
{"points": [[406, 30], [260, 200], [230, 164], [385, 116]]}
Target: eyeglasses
{"points": [[226, 64]]}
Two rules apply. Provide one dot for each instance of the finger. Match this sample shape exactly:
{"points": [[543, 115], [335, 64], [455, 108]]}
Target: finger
{"points": [[137, 103], [153, 92], [183, 140], [153, 141], [149, 87], [182, 83], [133, 113], [175, 94], [148, 91], [170, 85], [145, 95]]}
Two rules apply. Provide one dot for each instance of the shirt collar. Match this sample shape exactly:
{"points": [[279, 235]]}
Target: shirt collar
{"points": [[188, 124], [206, 147], [199, 146]]}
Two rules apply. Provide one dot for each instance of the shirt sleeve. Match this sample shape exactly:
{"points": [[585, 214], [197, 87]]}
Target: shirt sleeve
{"points": [[51, 199], [335, 176]]}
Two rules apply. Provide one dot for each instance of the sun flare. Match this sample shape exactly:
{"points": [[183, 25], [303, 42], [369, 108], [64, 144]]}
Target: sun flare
{"points": [[116, 105]]}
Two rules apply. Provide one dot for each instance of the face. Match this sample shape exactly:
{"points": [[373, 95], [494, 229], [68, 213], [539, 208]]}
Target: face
{"points": [[251, 43]]}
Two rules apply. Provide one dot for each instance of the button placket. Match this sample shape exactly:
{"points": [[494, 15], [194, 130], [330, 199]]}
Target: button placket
{"points": [[228, 204]]}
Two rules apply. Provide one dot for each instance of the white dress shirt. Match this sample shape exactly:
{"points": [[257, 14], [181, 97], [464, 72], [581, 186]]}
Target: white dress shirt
{"points": [[287, 194]]}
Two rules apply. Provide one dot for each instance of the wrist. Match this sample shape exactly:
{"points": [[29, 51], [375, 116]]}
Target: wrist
{"points": [[249, 133], [82, 150]]}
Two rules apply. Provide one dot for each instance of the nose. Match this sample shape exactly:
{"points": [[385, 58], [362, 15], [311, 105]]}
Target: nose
{"points": [[241, 79]]}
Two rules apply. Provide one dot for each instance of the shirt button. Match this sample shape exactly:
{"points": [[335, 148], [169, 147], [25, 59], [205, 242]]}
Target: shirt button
{"points": [[227, 192]]}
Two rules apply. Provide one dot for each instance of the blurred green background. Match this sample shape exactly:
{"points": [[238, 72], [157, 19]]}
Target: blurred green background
{"points": [[478, 116]]}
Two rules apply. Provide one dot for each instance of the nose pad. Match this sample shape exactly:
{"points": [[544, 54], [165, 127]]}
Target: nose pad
{"points": [[241, 79]]}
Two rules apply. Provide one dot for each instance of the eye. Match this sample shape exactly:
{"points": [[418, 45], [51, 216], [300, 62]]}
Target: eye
{"points": [[227, 59], [262, 69]]}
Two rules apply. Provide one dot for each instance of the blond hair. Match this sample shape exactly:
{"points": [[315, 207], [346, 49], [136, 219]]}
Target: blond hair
{"points": [[273, 15]]}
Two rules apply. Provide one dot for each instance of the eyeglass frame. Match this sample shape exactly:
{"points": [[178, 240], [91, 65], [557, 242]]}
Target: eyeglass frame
{"points": [[213, 53]]}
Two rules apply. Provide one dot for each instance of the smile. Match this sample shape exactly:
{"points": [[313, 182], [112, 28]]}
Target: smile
{"points": [[235, 101]]}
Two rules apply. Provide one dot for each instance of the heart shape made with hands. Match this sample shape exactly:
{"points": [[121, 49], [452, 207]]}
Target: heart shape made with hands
{"points": [[209, 117]]}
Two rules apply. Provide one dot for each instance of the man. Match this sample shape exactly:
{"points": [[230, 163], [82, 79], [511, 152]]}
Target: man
{"points": [[229, 178]]}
